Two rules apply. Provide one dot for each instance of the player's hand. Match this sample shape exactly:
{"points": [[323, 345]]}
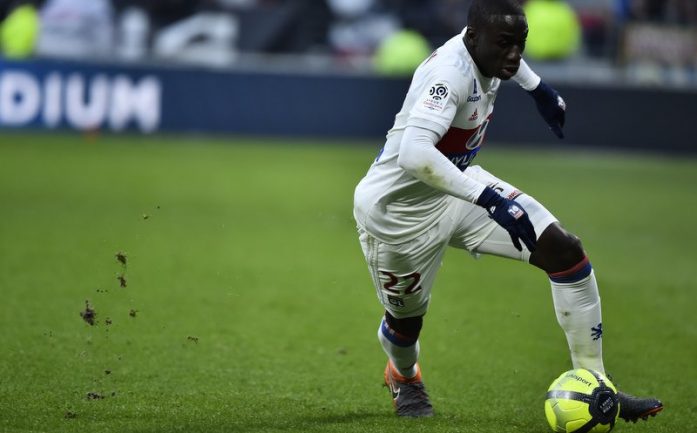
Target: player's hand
{"points": [[551, 106], [510, 215]]}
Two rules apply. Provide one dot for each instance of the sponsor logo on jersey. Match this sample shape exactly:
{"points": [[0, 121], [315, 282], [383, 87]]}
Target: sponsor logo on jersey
{"points": [[474, 116], [460, 146], [462, 160], [437, 97], [474, 97]]}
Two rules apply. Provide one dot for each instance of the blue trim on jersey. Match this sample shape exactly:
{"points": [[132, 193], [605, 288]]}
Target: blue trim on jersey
{"points": [[395, 338], [575, 276]]}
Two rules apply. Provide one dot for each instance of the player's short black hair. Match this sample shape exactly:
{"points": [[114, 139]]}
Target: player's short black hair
{"points": [[480, 11]]}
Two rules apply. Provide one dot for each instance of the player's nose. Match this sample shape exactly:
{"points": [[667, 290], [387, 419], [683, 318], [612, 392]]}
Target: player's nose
{"points": [[515, 54]]}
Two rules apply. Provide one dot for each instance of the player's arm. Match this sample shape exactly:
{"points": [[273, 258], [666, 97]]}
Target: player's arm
{"points": [[550, 105], [419, 157], [429, 119]]}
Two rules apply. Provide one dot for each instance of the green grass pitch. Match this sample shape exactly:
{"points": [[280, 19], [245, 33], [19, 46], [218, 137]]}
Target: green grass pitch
{"points": [[248, 307]]}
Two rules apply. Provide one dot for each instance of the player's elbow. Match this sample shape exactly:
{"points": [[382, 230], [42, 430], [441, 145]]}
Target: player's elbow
{"points": [[409, 161], [417, 167], [417, 152]]}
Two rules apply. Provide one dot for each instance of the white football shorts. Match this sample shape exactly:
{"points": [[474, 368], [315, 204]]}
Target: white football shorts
{"points": [[403, 273]]}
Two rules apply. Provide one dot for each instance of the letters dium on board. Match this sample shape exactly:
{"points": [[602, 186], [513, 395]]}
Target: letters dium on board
{"points": [[82, 103]]}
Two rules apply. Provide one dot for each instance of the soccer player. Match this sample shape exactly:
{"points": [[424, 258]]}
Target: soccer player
{"points": [[422, 194]]}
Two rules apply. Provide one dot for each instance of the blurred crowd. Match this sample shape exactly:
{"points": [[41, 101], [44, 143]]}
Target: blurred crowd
{"points": [[392, 33]]}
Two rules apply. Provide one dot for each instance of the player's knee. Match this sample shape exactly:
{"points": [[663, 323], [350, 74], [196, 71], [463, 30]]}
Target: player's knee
{"points": [[409, 327], [571, 245], [558, 250]]}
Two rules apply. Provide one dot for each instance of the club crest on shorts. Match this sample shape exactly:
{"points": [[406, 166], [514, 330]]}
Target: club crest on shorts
{"points": [[395, 301]]}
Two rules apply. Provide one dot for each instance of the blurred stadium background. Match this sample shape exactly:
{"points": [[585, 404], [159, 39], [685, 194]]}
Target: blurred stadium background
{"points": [[334, 68], [216, 144]]}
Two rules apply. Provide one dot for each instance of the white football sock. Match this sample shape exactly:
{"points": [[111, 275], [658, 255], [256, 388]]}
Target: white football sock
{"points": [[577, 306], [402, 352]]}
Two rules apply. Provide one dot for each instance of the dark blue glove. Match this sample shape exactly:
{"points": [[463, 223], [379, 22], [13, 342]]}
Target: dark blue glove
{"points": [[511, 216], [551, 106]]}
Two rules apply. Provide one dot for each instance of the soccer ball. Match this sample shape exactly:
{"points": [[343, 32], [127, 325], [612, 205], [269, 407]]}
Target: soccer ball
{"points": [[582, 401]]}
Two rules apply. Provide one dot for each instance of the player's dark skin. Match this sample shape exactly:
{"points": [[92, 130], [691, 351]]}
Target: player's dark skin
{"points": [[497, 49]]}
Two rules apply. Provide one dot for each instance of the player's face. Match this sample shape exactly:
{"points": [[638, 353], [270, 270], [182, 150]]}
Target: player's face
{"points": [[499, 45]]}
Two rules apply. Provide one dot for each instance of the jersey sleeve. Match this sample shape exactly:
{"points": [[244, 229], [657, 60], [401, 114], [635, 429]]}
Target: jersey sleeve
{"points": [[420, 158], [437, 104], [526, 77]]}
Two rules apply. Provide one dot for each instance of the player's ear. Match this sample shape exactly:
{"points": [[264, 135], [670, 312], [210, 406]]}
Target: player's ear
{"points": [[471, 36]]}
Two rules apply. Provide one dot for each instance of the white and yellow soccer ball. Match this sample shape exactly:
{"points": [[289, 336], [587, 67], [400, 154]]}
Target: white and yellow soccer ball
{"points": [[582, 401]]}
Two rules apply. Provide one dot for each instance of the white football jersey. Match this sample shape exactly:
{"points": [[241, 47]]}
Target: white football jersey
{"points": [[449, 96]]}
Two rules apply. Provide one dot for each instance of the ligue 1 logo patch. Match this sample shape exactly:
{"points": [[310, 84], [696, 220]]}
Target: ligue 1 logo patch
{"points": [[439, 92], [437, 97]]}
